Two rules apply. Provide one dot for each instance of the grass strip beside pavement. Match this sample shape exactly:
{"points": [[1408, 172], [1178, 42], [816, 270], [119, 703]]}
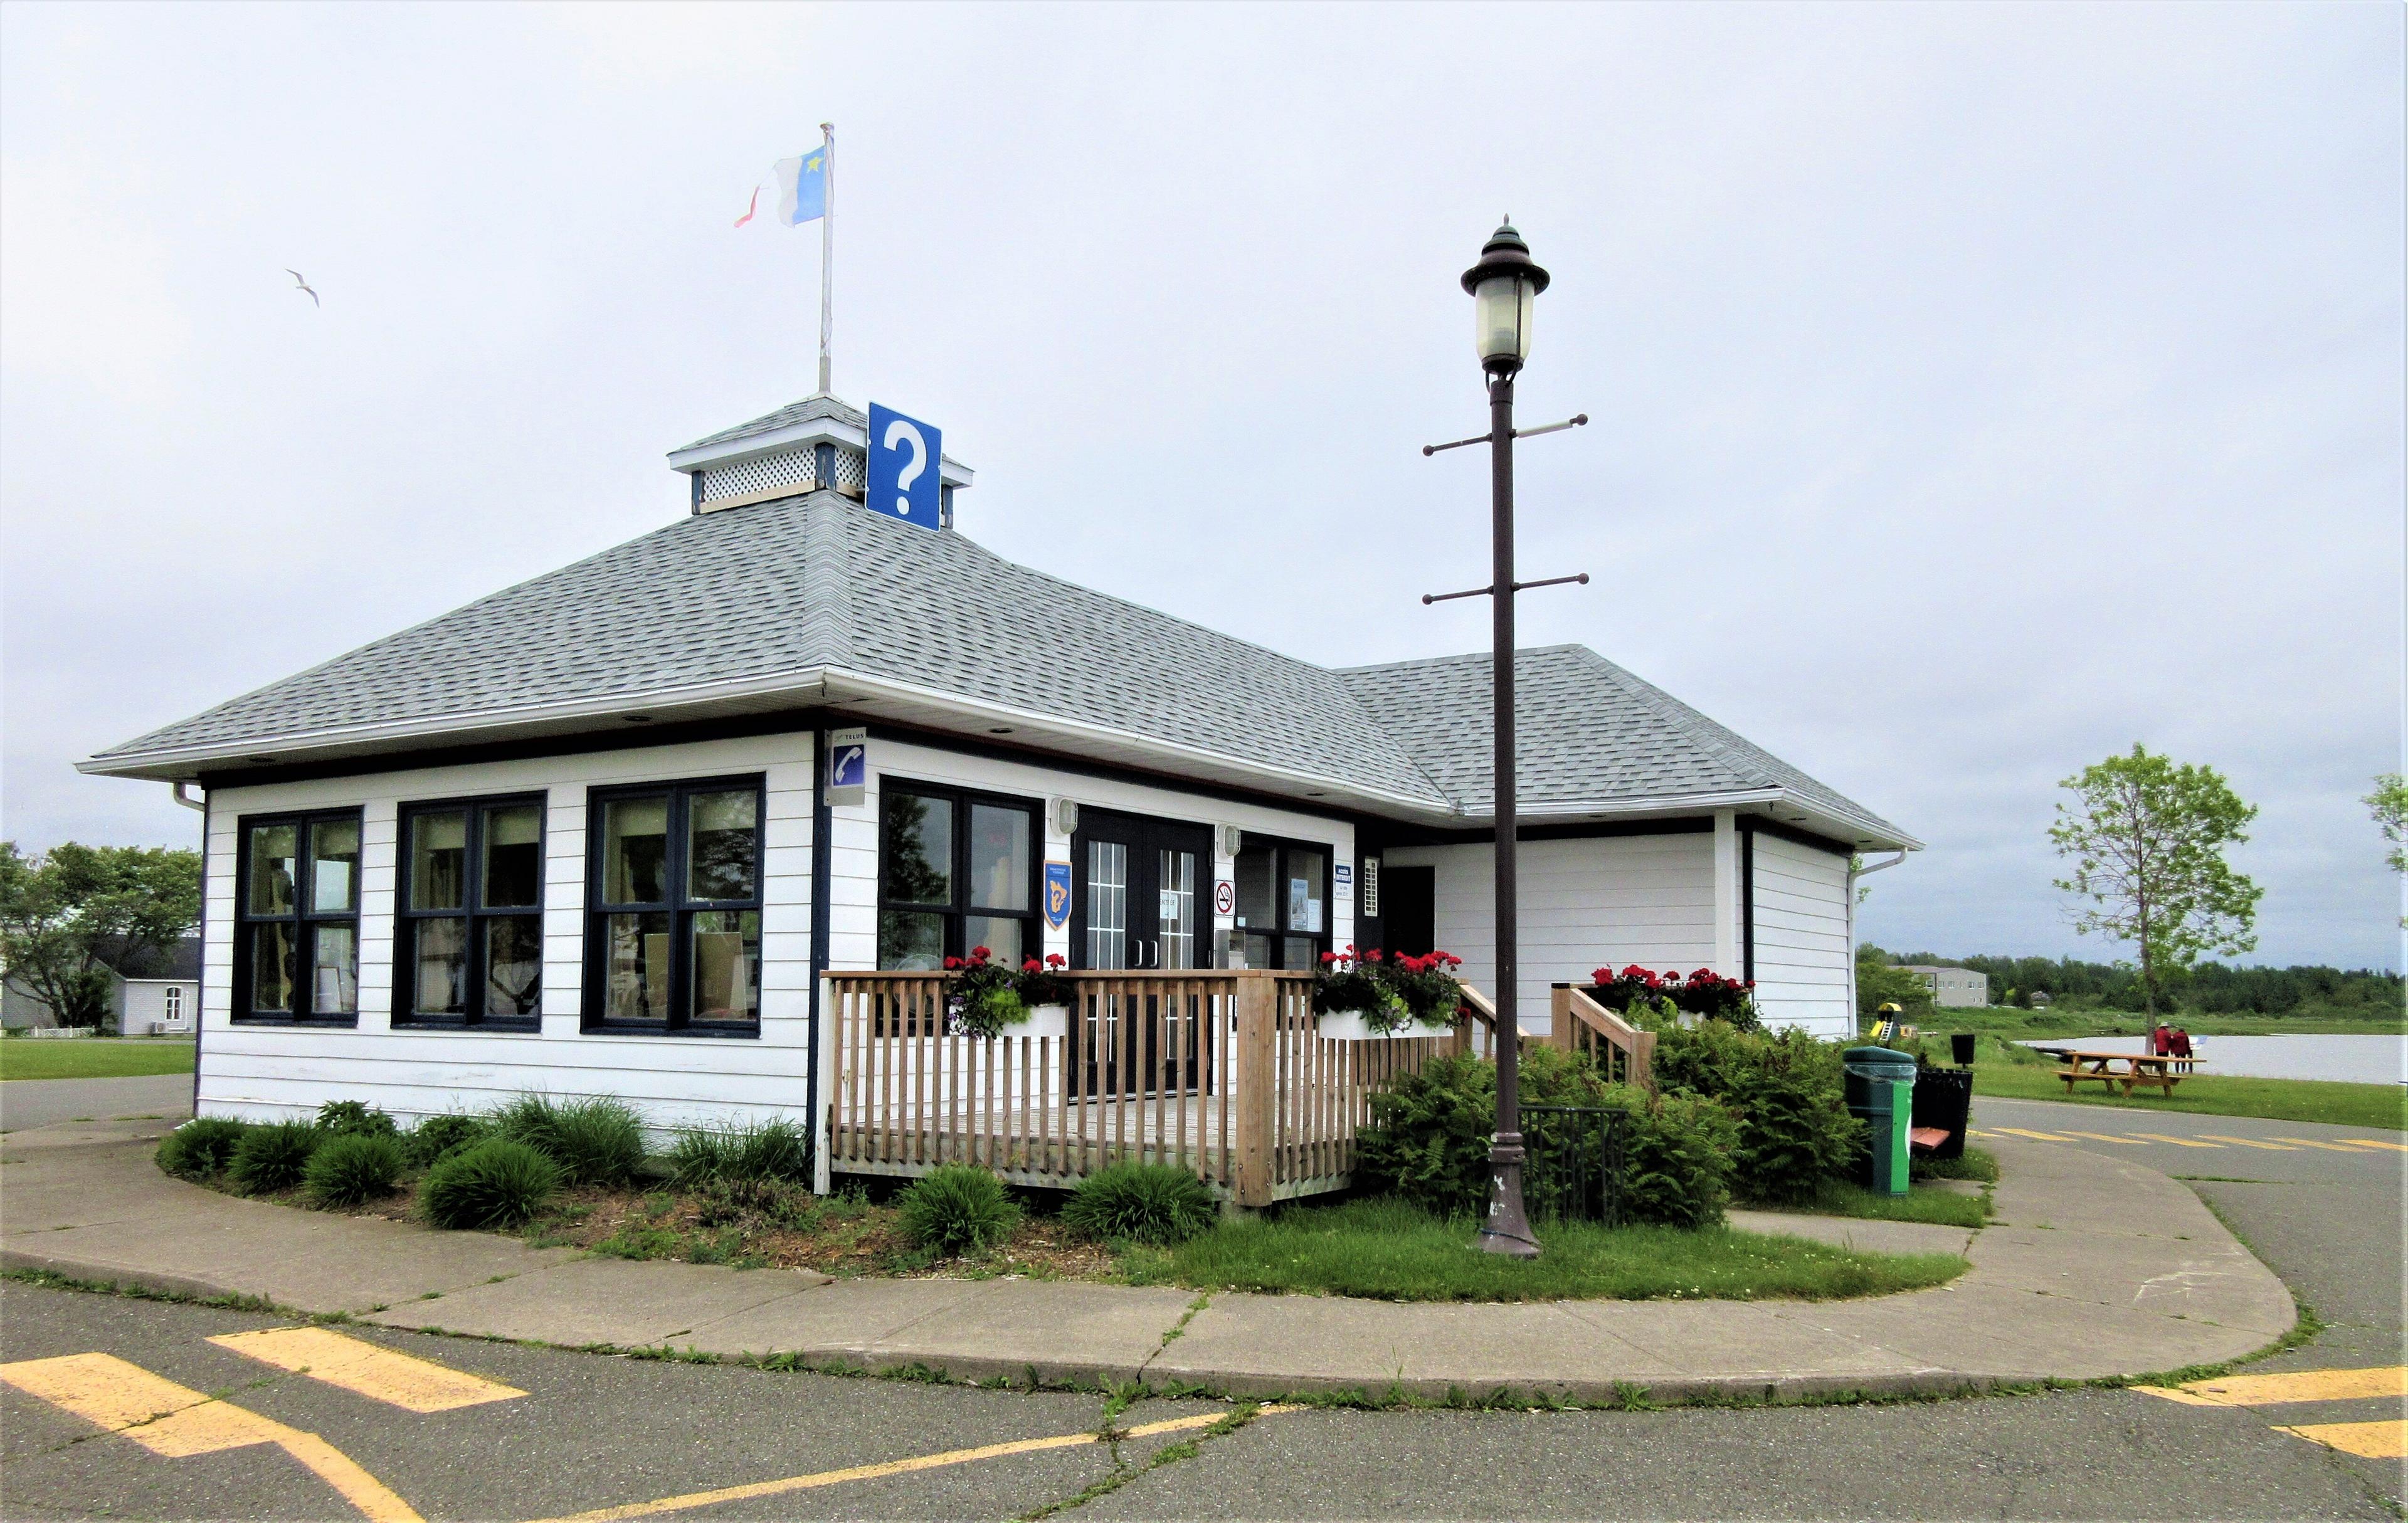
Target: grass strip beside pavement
{"points": [[2330, 1102], [93, 1057], [1938, 1207], [1386, 1250]]}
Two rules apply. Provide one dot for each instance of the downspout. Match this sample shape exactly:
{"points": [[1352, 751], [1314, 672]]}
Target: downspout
{"points": [[821, 859], [201, 1000]]}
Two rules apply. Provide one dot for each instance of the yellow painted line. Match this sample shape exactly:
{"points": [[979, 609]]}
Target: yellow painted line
{"points": [[892, 1467], [2369, 1141], [2309, 1141], [2178, 1141], [2247, 1141], [2102, 1137], [2304, 1385], [2042, 1136], [379, 1373], [2385, 1440], [177, 1421], [2173, 1393]]}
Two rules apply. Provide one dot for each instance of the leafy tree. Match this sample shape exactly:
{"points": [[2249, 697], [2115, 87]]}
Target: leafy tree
{"points": [[1878, 984], [64, 919], [2388, 803], [2147, 838]]}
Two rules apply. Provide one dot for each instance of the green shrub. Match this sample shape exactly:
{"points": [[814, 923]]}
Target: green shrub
{"points": [[438, 1135], [348, 1169], [1677, 1154], [354, 1118], [776, 1149], [497, 1183], [957, 1210], [1785, 1090], [271, 1158], [200, 1148], [1429, 1134], [595, 1142], [1140, 1202]]}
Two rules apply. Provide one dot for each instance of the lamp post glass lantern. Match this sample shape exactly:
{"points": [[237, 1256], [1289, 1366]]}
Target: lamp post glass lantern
{"points": [[1504, 288]]}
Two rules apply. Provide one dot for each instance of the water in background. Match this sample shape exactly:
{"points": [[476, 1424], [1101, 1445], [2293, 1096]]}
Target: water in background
{"points": [[2358, 1059]]}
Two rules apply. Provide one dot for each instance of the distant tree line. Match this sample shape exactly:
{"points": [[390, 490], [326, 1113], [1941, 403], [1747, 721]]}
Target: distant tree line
{"points": [[2213, 987]]}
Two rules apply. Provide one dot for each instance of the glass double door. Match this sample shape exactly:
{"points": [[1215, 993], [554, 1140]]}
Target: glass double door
{"points": [[1139, 903]]}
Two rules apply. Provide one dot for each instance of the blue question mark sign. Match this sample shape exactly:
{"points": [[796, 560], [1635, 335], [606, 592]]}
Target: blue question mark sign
{"points": [[903, 477]]}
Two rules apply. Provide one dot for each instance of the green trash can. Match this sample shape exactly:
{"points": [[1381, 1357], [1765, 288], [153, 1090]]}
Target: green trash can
{"points": [[1879, 1085]]}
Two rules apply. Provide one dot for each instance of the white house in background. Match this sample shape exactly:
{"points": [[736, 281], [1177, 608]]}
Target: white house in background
{"points": [[158, 993], [1953, 987], [577, 836]]}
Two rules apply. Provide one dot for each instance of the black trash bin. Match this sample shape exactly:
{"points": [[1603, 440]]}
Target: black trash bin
{"points": [[1944, 1098], [1960, 1047]]}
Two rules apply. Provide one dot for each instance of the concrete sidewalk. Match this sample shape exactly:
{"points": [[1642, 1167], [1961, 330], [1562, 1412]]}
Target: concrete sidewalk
{"points": [[2096, 1268]]}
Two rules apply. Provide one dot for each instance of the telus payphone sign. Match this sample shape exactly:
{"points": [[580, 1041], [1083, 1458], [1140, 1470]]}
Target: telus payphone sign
{"points": [[903, 457]]}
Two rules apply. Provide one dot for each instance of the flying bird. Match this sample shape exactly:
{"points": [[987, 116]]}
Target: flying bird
{"points": [[305, 285]]}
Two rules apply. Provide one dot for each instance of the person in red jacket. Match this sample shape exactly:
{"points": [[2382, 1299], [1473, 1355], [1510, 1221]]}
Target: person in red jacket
{"points": [[2162, 1041], [2180, 1042]]}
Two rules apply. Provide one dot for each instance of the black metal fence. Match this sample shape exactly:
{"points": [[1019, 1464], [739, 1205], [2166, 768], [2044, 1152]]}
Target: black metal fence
{"points": [[1574, 1171]]}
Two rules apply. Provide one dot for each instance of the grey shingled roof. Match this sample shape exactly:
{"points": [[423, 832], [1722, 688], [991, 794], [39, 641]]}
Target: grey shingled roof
{"points": [[818, 581], [805, 411], [1590, 733]]}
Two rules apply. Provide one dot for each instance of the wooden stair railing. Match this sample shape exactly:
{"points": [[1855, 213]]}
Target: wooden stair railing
{"points": [[1477, 1036], [1624, 1052]]}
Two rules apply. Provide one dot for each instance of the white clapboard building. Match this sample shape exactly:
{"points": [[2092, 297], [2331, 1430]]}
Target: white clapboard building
{"points": [[576, 837]]}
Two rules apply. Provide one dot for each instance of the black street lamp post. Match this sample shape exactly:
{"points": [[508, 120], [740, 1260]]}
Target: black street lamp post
{"points": [[1504, 286]]}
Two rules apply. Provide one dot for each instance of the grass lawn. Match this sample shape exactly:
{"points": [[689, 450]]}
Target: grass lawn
{"points": [[93, 1057], [1389, 1250], [2276, 1099], [1922, 1204], [2072, 1021]]}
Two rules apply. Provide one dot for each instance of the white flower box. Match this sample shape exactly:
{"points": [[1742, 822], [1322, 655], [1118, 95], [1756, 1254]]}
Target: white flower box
{"points": [[1043, 1021], [1355, 1025]]}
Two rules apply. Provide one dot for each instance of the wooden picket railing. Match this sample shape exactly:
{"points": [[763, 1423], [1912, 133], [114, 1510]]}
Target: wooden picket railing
{"points": [[1223, 1072], [1623, 1051]]}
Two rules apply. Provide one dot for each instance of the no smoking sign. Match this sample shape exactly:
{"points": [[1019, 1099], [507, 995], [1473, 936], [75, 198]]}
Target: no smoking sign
{"points": [[1225, 897]]}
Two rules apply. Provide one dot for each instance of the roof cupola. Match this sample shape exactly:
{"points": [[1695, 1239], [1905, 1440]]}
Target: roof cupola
{"points": [[821, 441]]}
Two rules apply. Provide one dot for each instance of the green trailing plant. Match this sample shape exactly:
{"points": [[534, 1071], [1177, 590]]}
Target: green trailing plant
{"points": [[354, 1167], [354, 1118], [497, 1183], [201, 1148], [981, 997], [596, 1141], [1784, 1092], [438, 1135], [271, 1158], [1140, 1202], [957, 1210], [775, 1149]]}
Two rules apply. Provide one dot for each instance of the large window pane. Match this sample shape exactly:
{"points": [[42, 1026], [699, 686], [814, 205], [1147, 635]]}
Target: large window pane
{"points": [[636, 851], [1303, 878], [1107, 904], [1176, 914], [917, 855], [1302, 952], [438, 861], [513, 965], [999, 935], [727, 965], [272, 966], [998, 858], [439, 984], [333, 867], [334, 969], [722, 836], [637, 978], [513, 856], [274, 869], [911, 942], [1255, 907]]}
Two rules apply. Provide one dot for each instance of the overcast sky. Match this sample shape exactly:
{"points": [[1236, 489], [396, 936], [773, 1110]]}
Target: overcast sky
{"points": [[1976, 390]]}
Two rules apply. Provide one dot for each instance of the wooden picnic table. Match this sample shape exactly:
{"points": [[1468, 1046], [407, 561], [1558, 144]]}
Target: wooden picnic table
{"points": [[2146, 1070]]}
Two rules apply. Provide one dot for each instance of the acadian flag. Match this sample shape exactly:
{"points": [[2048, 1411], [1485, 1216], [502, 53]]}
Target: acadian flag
{"points": [[802, 190]]}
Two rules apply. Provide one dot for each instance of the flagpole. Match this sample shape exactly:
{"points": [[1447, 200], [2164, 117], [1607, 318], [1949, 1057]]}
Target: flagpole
{"points": [[827, 251]]}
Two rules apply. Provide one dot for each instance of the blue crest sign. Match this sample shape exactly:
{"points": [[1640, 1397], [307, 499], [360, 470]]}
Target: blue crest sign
{"points": [[1057, 893], [904, 457]]}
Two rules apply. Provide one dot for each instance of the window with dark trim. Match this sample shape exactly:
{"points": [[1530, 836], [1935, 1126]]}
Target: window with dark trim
{"points": [[296, 935], [673, 897], [467, 934], [1283, 904], [955, 870]]}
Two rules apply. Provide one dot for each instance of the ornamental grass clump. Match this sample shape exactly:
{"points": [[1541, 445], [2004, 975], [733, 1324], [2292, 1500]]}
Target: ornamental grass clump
{"points": [[597, 1141], [498, 1183], [776, 1149], [356, 1167], [271, 1158], [440, 1135], [200, 1148], [957, 1210], [1140, 1202]]}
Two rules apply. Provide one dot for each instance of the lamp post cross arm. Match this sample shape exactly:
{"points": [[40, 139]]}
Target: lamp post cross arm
{"points": [[1579, 420]]}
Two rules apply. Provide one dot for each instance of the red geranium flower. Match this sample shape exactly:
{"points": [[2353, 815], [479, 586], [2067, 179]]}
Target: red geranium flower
{"points": [[952, 962], [1055, 959], [1031, 966], [982, 954]]}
